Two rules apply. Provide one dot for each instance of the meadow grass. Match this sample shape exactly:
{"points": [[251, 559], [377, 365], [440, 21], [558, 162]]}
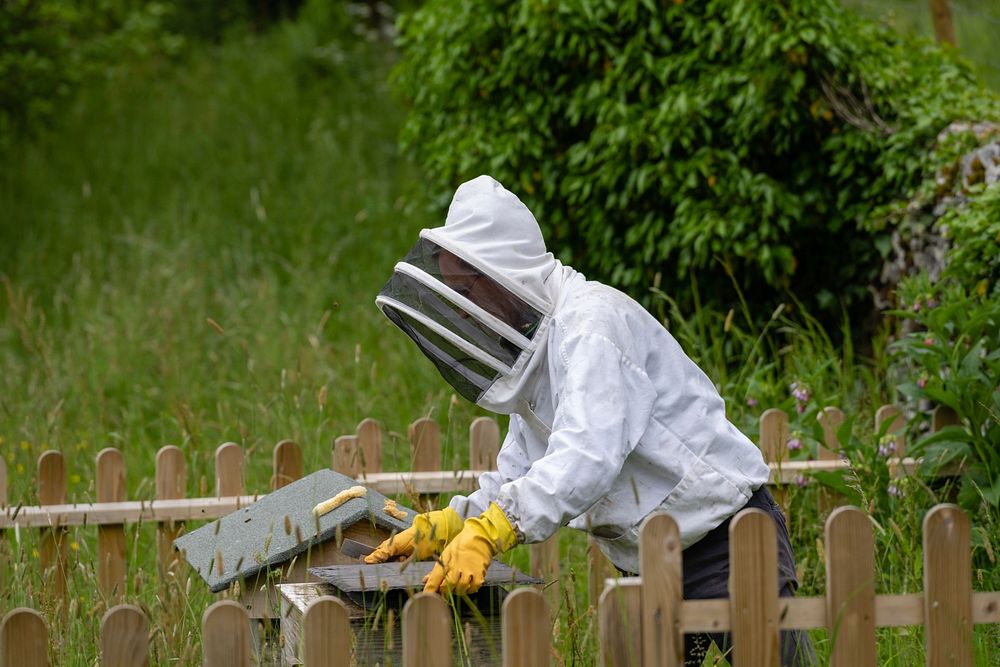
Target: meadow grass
{"points": [[191, 258]]}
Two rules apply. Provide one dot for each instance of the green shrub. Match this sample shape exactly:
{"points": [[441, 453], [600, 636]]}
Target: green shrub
{"points": [[660, 138], [974, 231], [952, 358]]}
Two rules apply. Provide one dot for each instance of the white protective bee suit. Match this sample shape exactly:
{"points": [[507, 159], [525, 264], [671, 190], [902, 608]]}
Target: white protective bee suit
{"points": [[610, 420]]}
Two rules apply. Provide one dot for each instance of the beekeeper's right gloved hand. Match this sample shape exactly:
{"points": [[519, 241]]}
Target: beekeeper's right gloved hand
{"points": [[427, 537]]}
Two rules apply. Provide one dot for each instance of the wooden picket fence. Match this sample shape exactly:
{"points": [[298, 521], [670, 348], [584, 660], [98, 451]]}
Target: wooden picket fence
{"points": [[358, 455], [642, 620]]}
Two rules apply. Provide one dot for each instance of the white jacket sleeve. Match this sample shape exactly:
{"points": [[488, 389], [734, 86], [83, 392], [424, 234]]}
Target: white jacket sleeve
{"points": [[512, 462], [602, 405]]}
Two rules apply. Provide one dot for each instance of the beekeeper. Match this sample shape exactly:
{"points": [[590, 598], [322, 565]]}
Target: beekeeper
{"points": [[609, 419]]}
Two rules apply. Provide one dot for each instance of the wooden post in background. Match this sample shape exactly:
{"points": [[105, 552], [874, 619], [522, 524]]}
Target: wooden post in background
{"points": [[850, 588], [326, 633], [774, 447], [370, 446], [225, 635], [830, 419], [286, 464], [944, 416], [229, 470], [944, 28], [171, 480], [598, 569], [890, 414], [948, 587], [24, 639], [111, 568], [484, 443], [753, 589], [54, 547], [662, 591], [425, 454], [426, 631], [619, 617], [124, 637], [545, 566], [345, 456], [525, 629]]}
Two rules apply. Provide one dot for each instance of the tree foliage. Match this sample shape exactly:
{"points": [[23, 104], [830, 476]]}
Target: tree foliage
{"points": [[664, 138]]}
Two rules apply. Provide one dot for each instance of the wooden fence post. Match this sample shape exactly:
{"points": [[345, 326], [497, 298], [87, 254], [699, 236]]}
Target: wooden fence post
{"points": [[944, 416], [850, 588], [369, 435], [124, 637], [425, 452], [774, 447], [345, 456], [948, 587], [831, 419], [662, 591], [326, 633], [544, 558], [753, 589], [484, 443], [598, 568], [229, 470], [524, 632], [54, 547], [890, 414], [620, 624], [111, 568], [171, 480], [426, 632], [944, 28], [286, 464], [225, 635], [24, 639]]}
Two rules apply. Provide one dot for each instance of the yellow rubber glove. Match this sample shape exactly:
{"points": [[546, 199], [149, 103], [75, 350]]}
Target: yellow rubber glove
{"points": [[463, 563], [428, 536]]}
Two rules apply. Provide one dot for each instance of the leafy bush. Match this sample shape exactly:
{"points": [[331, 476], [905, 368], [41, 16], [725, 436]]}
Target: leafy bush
{"points": [[974, 231], [48, 48], [659, 138], [953, 359]]}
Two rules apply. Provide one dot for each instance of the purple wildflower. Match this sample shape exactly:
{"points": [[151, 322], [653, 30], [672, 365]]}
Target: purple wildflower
{"points": [[801, 481], [922, 382], [794, 444], [894, 490], [752, 402], [800, 392]]}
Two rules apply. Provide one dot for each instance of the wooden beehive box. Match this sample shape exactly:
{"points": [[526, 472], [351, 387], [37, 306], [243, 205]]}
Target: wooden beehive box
{"points": [[278, 538], [375, 595]]}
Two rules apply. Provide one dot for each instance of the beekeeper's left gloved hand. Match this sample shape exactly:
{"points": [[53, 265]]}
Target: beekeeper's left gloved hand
{"points": [[463, 563]]}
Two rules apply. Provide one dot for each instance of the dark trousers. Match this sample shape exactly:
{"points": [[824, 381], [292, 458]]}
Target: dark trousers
{"points": [[706, 576]]}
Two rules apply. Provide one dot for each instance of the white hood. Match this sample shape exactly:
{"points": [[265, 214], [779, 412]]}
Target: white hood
{"points": [[492, 231]]}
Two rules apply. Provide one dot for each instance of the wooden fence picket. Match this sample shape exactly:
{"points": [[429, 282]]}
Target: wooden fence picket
{"points": [[54, 547], [286, 464], [124, 637], [661, 564], [830, 419], [891, 414], [326, 633], [948, 587], [24, 639], [753, 589], [944, 416], [425, 454], [544, 558], [850, 588], [484, 443], [425, 445], [426, 631], [345, 459], [110, 486], [773, 445], [229, 470], [171, 480], [620, 623], [225, 635], [525, 635], [369, 434], [598, 568]]}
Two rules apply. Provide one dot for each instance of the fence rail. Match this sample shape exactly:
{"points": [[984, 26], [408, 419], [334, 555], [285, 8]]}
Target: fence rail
{"points": [[642, 620]]}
